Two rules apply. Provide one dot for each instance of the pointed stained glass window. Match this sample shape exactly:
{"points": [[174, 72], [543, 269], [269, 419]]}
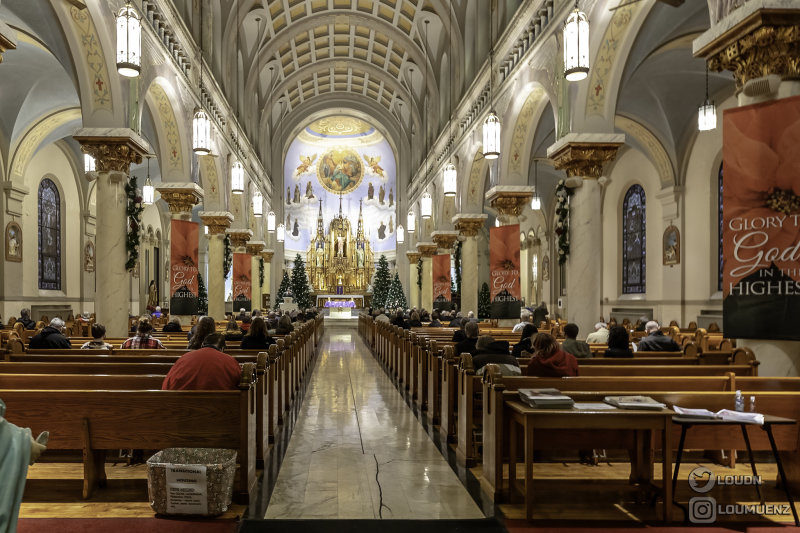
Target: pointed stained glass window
{"points": [[49, 236], [633, 242]]}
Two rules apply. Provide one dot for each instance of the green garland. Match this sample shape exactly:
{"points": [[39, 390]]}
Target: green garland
{"points": [[260, 271], [419, 274], [227, 257], [134, 210], [562, 220], [457, 258]]}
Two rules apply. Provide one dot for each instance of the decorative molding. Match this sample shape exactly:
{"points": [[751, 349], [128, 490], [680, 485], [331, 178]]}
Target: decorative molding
{"points": [[15, 195], [653, 146], [583, 155], [114, 149], [267, 255], [95, 60], [509, 200], [239, 237], [255, 248], [427, 249], [166, 115], [31, 140], [217, 221], [181, 197], [413, 259], [8, 40], [470, 225], [523, 123], [445, 239]]}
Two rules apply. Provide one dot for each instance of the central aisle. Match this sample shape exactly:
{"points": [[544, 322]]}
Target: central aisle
{"points": [[358, 451]]}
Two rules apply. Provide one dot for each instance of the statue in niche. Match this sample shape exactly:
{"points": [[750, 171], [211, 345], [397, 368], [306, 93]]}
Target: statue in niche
{"points": [[381, 195], [295, 229], [382, 231], [339, 246], [152, 295], [391, 197], [360, 257], [391, 224], [288, 196], [13, 242], [546, 268], [296, 198], [320, 255], [309, 191], [370, 191], [88, 257]]}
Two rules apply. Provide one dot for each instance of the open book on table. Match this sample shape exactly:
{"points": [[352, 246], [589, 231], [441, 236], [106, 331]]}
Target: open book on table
{"points": [[722, 414]]}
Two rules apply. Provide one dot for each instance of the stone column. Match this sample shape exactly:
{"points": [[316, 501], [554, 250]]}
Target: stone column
{"points": [[413, 288], [266, 255], [114, 150], [445, 240], [254, 248], [582, 157], [525, 272], [509, 202], [469, 225], [427, 250], [239, 239], [217, 222]]}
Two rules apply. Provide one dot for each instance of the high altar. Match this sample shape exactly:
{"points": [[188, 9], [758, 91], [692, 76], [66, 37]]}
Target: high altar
{"points": [[339, 262]]}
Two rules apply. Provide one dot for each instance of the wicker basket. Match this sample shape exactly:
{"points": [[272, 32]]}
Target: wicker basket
{"points": [[220, 471]]}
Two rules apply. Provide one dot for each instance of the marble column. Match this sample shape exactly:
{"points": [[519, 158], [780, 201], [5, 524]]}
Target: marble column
{"points": [[239, 239], [267, 255], [582, 156], [254, 248], [114, 150], [217, 222], [445, 240], [427, 250], [469, 225], [413, 277], [525, 273]]}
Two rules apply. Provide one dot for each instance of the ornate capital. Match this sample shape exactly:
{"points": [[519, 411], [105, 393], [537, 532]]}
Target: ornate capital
{"points": [[762, 43], [181, 197], [509, 200], [413, 258], [444, 239], [113, 149], [217, 221], [583, 159], [469, 225], [239, 237], [7, 40], [427, 249], [254, 247], [266, 255]]}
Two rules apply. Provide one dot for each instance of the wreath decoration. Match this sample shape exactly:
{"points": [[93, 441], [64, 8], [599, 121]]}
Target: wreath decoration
{"points": [[134, 210], [227, 257], [562, 220]]}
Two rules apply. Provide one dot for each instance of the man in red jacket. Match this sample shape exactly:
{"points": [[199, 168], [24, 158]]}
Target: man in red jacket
{"points": [[205, 369]]}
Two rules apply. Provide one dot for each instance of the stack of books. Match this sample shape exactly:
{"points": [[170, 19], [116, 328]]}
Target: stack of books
{"points": [[634, 402], [546, 399]]}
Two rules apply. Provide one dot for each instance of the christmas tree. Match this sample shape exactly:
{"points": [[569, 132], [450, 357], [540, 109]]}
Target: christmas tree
{"points": [[300, 288], [202, 296], [283, 289], [396, 298], [484, 302], [381, 283]]}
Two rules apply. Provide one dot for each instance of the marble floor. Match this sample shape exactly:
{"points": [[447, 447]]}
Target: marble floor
{"points": [[358, 451]]}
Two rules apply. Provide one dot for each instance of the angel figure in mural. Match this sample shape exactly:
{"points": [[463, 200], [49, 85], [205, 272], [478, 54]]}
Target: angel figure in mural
{"points": [[391, 197], [381, 195], [296, 198], [309, 191], [370, 191], [374, 166], [305, 164], [382, 231], [288, 196], [289, 220], [391, 224], [296, 229]]}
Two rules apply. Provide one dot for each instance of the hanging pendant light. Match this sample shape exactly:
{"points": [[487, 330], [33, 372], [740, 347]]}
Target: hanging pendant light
{"points": [[205, 230], [89, 163], [237, 178], [536, 202], [411, 221], [401, 237], [449, 179], [201, 127], [491, 136], [258, 204], [450, 174], [271, 222], [707, 113], [129, 42], [280, 235], [148, 191], [576, 45], [426, 206]]}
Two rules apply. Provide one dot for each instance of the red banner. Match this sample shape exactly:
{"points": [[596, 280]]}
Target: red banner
{"points": [[761, 221], [504, 271], [242, 282], [183, 288], [441, 282]]}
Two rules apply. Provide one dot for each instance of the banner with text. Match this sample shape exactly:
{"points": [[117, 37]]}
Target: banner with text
{"points": [[761, 221], [504, 271], [183, 288], [242, 282], [441, 282]]}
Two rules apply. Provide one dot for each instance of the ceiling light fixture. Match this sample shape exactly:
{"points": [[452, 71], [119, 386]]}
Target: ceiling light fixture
{"points": [[129, 42], [576, 45], [148, 191], [707, 113], [491, 126]]}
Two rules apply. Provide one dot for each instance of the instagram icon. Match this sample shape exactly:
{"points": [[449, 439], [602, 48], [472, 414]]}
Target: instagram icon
{"points": [[702, 510]]}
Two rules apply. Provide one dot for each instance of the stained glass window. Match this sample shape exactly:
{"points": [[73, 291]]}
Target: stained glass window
{"points": [[633, 241], [49, 236], [719, 221]]}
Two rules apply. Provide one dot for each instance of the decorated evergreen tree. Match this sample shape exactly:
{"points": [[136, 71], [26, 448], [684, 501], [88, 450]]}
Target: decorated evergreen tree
{"points": [[202, 296], [396, 298], [484, 302], [300, 288], [381, 284], [283, 289]]}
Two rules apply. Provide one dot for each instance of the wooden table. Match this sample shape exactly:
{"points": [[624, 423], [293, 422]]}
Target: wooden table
{"points": [[640, 421]]}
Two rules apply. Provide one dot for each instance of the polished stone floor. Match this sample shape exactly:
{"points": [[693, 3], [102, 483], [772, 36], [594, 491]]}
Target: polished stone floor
{"points": [[357, 450]]}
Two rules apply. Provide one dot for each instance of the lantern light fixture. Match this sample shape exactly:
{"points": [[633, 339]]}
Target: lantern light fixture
{"points": [[536, 202], [201, 128], [411, 221], [205, 230], [271, 222], [491, 136], [280, 235], [707, 113], [237, 178], [258, 204], [426, 206], [576, 45], [449, 179], [401, 237], [89, 163], [148, 191], [129, 42]]}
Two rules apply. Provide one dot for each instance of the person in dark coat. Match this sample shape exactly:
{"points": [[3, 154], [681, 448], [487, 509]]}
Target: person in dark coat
{"points": [[25, 319], [540, 314], [459, 335], [656, 341], [619, 344], [285, 326], [232, 331], [470, 339], [435, 323], [399, 320], [51, 337], [488, 350], [414, 321], [525, 341], [550, 361], [257, 338], [456, 321], [173, 326]]}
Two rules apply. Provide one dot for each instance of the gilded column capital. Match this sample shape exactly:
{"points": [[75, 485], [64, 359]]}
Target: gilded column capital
{"points": [[469, 225], [267, 255], [217, 221], [254, 248], [445, 239], [413, 258], [7, 39], [752, 43], [114, 149], [583, 155], [427, 249], [509, 200], [180, 197], [239, 237]]}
